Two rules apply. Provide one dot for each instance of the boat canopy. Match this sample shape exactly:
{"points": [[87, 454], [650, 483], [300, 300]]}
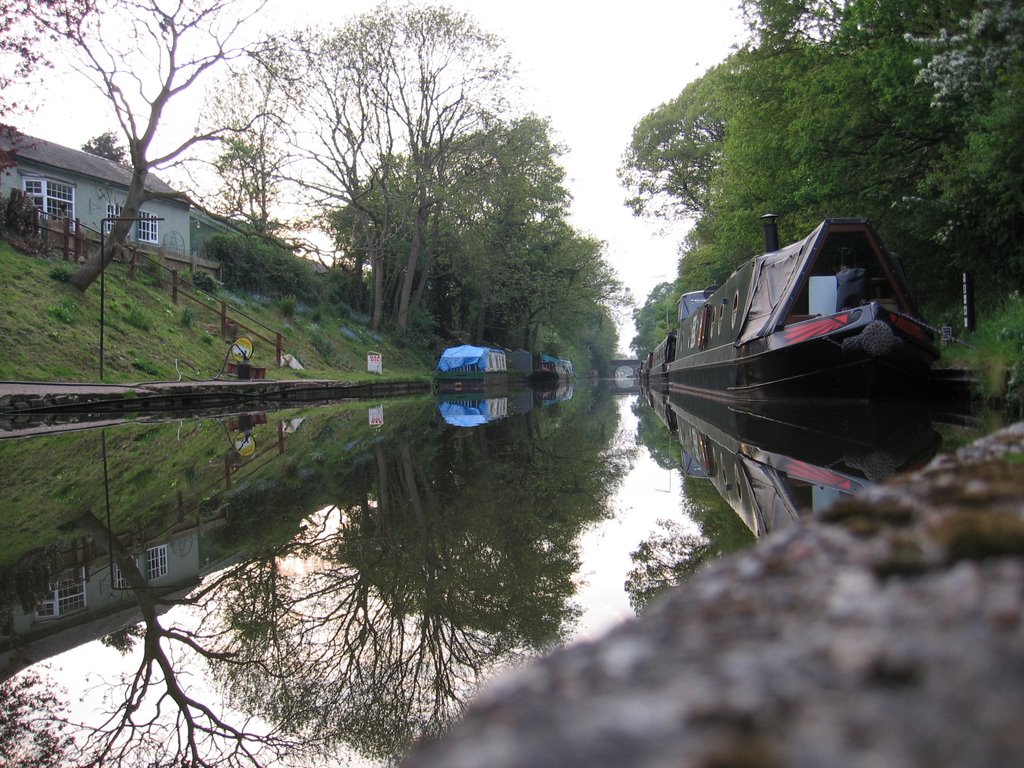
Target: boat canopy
{"points": [[840, 263], [470, 358], [775, 278]]}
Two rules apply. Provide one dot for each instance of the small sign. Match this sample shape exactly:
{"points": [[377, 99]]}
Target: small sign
{"points": [[241, 349], [245, 444], [947, 333], [375, 363], [377, 416]]}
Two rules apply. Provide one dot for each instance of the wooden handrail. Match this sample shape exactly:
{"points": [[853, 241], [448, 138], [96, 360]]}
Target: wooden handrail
{"points": [[75, 243]]}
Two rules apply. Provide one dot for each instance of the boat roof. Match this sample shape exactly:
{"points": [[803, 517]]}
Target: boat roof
{"points": [[779, 275]]}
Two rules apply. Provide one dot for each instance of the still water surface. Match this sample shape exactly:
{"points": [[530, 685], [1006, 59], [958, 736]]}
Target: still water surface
{"points": [[325, 585]]}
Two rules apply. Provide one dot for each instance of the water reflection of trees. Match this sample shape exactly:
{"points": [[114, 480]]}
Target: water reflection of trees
{"points": [[439, 556], [672, 552]]}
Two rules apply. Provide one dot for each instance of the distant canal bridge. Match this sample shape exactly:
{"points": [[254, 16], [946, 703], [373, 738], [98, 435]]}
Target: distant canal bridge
{"points": [[624, 367]]}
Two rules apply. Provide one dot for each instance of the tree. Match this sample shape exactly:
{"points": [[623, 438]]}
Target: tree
{"points": [[32, 730], [107, 145], [142, 58], [253, 104], [390, 97]]}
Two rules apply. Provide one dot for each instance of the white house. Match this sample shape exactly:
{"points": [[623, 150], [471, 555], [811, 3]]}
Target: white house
{"points": [[71, 184]]}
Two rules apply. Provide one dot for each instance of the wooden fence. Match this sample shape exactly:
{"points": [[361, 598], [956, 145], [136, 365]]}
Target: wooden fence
{"points": [[77, 243]]}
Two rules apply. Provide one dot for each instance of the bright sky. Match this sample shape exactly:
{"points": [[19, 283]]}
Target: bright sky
{"points": [[594, 68]]}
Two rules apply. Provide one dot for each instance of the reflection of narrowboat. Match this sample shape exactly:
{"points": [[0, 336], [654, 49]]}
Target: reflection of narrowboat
{"points": [[828, 316], [469, 368], [551, 369], [774, 463], [556, 393], [473, 412]]}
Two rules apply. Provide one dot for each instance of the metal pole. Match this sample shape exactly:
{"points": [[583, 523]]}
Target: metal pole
{"points": [[103, 273]]}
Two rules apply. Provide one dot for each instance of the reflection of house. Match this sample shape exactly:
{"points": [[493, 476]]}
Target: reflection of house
{"points": [[90, 598], [70, 184]]}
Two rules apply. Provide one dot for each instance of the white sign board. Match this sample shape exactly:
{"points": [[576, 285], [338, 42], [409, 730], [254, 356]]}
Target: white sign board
{"points": [[375, 363], [377, 416]]}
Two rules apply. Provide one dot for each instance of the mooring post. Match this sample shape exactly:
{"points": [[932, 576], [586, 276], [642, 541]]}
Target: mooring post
{"points": [[969, 302]]}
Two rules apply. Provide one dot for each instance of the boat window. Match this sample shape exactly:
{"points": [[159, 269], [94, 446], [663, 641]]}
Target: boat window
{"points": [[735, 308], [847, 272], [852, 256]]}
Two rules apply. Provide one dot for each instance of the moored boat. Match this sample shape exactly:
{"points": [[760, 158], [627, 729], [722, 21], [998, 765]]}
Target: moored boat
{"points": [[468, 368], [550, 370], [829, 316]]}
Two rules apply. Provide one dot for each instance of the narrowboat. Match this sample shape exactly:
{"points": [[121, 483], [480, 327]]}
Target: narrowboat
{"points": [[829, 316], [550, 370], [469, 368]]}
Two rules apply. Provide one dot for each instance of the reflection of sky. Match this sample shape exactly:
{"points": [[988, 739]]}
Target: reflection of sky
{"points": [[647, 494]]}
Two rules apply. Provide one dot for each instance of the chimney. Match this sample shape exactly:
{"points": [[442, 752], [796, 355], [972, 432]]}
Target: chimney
{"points": [[771, 232]]}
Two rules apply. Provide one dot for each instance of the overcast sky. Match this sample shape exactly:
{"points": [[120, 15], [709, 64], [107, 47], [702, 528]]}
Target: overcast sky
{"points": [[594, 68]]}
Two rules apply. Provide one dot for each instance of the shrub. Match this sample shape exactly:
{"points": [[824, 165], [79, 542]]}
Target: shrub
{"points": [[19, 214], [257, 266], [187, 317], [204, 282]]}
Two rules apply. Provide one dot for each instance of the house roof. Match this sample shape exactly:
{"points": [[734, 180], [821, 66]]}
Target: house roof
{"points": [[74, 160]]}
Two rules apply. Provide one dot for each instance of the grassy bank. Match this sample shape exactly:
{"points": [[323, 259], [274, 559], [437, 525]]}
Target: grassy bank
{"points": [[49, 331], [996, 351]]}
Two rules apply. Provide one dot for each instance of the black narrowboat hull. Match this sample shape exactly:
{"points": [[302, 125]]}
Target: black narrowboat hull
{"points": [[858, 354]]}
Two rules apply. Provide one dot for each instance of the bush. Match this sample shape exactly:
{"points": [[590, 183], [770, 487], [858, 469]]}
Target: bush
{"points": [[256, 266], [204, 282], [19, 214]]}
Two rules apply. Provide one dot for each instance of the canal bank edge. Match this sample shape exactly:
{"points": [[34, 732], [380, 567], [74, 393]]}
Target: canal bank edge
{"points": [[26, 400], [888, 631]]}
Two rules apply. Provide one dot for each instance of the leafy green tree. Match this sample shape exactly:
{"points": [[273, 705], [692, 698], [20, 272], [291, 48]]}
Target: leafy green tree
{"points": [[654, 319], [253, 102], [107, 145], [848, 108]]}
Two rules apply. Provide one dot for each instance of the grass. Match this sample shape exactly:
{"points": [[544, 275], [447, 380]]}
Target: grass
{"points": [[996, 352], [49, 331]]}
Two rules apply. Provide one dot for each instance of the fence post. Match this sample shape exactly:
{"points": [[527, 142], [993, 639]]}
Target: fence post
{"points": [[132, 261], [279, 343], [223, 320], [174, 287], [66, 245], [79, 242]]}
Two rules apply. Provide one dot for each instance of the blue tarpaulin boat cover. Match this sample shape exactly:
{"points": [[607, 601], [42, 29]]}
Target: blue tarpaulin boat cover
{"points": [[465, 414], [455, 358]]}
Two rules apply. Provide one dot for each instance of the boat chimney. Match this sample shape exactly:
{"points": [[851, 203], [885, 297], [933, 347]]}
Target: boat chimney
{"points": [[771, 232]]}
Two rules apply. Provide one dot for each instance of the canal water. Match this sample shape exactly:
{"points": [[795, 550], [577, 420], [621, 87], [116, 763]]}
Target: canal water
{"points": [[325, 585]]}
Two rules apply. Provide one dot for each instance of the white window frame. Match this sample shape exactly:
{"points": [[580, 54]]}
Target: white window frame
{"points": [[53, 198], [147, 229], [156, 562], [66, 596], [113, 212], [156, 567]]}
